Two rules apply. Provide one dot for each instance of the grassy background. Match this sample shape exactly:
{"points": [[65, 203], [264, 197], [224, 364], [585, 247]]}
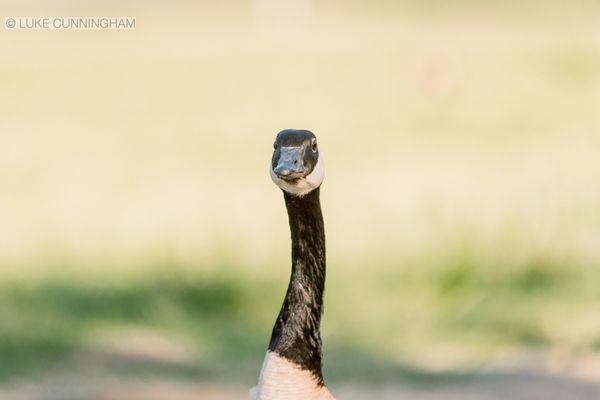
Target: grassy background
{"points": [[461, 200]]}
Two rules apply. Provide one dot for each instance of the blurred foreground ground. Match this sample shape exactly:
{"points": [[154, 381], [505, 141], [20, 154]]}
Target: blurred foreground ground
{"points": [[192, 339], [117, 377]]}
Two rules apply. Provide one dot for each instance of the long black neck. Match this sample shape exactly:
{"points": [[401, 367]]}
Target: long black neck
{"points": [[296, 334]]}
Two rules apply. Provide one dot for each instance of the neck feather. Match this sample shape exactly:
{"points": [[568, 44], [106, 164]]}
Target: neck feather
{"points": [[296, 334]]}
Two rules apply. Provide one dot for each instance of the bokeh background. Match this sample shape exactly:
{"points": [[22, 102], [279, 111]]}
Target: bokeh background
{"points": [[144, 251]]}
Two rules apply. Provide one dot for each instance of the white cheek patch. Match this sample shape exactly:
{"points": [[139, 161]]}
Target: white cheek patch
{"points": [[304, 185]]}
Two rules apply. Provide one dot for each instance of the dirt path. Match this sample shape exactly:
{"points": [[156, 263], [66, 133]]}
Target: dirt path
{"points": [[490, 387], [98, 376]]}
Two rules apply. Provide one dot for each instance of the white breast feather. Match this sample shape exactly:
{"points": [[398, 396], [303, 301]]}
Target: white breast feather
{"points": [[281, 379]]}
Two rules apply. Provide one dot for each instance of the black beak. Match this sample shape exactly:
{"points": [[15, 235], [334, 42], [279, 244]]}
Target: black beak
{"points": [[290, 165]]}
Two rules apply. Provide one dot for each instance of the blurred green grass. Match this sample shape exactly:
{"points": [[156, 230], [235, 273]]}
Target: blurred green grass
{"points": [[225, 321], [461, 200]]}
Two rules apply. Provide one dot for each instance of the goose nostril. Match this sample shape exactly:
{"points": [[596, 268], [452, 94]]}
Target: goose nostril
{"points": [[295, 161]]}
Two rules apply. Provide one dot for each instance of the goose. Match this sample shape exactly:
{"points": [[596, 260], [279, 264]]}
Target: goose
{"points": [[292, 366]]}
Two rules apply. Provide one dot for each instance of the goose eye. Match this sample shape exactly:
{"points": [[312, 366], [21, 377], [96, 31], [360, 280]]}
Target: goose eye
{"points": [[274, 145], [314, 146]]}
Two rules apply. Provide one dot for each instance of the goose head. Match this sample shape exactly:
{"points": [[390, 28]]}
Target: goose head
{"points": [[297, 165]]}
